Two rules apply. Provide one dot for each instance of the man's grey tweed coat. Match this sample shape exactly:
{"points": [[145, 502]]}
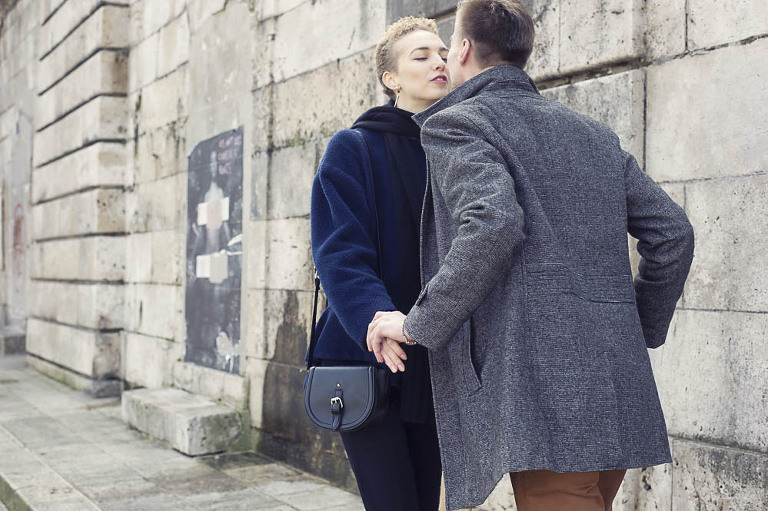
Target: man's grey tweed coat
{"points": [[537, 333]]}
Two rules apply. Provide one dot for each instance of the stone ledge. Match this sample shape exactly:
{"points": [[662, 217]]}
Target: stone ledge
{"points": [[229, 389], [12, 340], [91, 386], [192, 424]]}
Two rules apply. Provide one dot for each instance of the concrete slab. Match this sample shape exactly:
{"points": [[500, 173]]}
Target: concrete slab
{"points": [[192, 424]]}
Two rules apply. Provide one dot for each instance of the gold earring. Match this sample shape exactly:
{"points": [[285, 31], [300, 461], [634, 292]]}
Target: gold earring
{"points": [[397, 96]]}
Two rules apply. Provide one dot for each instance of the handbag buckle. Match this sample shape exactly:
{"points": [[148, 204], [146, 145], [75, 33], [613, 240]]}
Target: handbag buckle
{"points": [[337, 400]]}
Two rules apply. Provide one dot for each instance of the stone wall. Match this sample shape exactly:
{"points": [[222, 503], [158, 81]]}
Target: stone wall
{"points": [[102, 103]]}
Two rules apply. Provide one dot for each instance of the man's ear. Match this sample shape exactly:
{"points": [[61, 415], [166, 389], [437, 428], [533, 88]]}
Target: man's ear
{"points": [[466, 49]]}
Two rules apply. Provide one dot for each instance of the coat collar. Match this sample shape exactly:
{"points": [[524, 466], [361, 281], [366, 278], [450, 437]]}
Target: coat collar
{"points": [[516, 77]]}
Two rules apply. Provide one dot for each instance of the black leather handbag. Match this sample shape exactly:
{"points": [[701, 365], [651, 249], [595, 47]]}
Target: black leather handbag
{"points": [[345, 398]]}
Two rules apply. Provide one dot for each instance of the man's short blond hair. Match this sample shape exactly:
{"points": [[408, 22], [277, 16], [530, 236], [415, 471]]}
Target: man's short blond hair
{"points": [[386, 58]]}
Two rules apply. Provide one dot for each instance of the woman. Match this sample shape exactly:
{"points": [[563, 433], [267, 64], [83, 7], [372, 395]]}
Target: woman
{"points": [[397, 461]]}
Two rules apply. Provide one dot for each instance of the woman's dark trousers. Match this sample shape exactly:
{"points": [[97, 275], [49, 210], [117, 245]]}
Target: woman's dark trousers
{"points": [[396, 463]]}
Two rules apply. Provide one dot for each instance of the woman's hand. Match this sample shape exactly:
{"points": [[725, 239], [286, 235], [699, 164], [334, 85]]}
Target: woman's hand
{"points": [[384, 338]]}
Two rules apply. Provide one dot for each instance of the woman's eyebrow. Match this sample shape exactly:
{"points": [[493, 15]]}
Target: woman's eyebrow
{"points": [[442, 48]]}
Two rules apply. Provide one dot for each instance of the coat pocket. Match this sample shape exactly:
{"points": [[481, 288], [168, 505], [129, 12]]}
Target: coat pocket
{"points": [[462, 360]]}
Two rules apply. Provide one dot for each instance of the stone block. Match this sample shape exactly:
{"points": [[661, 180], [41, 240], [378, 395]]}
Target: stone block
{"points": [[47, 8], [98, 165], [617, 100], [598, 32], [105, 28], [104, 73], [545, 57], [13, 340], [200, 11], [192, 424], [157, 205], [156, 257], [273, 8], [90, 353], [143, 68], [173, 45], [21, 56], [99, 211], [728, 271], [664, 29], [712, 23], [148, 16], [93, 306], [63, 21], [347, 29], [165, 100], [707, 373], [93, 386], [96, 258], [255, 254], [256, 344], [289, 263], [260, 164], [155, 310], [287, 326], [396, 9], [291, 172], [228, 389], [103, 118], [695, 128], [306, 107], [160, 153], [148, 361], [646, 489], [712, 477]]}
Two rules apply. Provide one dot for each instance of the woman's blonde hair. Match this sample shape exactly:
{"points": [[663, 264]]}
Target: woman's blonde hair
{"points": [[386, 59]]}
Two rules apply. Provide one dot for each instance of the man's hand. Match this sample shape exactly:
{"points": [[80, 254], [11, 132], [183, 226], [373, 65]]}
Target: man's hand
{"points": [[384, 338]]}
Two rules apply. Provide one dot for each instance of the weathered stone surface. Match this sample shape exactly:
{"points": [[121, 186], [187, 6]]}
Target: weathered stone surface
{"points": [[711, 477], [47, 7], [272, 8], [598, 32], [103, 118], [148, 16], [160, 153], [698, 126], [157, 205], [20, 55], [156, 257], [104, 73], [255, 255], [173, 45], [545, 57], [90, 353], [290, 261], [97, 258], [728, 271], [101, 164], [200, 11], [260, 164], [347, 28], [711, 23], [711, 361], [94, 386], [147, 361], [229, 389], [94, 306], [646, 489], [396, 9], [105, 28], [143, 58], [164, 101], [290, 179], [306, 107], [617, 100], [99, 211], [155, 310], [64, 20], [192, 424], [287, 323], [13, 340], [664, 28]]}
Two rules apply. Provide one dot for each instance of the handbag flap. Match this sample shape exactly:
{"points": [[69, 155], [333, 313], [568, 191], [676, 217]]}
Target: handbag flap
{"points": [[356, 384]]}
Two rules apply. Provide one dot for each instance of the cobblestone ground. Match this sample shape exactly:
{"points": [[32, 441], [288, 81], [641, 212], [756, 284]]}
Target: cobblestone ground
{"points": [[63, 450]]}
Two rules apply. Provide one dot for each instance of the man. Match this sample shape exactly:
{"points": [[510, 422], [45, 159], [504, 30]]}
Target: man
{"points": [[537, 334]]}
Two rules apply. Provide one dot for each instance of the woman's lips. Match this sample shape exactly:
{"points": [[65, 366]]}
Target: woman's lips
{"points": [[440, 79]]}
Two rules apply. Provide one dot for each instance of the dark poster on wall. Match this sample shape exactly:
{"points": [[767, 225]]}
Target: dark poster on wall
{"points": [[214, 252]]}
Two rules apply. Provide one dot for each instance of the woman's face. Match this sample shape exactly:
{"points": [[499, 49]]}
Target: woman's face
{"points": [[421, 73]]}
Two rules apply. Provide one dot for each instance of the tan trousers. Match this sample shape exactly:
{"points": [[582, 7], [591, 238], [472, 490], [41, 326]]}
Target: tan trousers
{"points": [[542, 490]]}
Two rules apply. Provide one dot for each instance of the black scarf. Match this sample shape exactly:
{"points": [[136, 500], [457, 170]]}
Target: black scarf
{"points": [[407, 179]]}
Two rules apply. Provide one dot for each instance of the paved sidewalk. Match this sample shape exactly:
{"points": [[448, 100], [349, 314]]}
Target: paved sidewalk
{"points": [[61, 450]]}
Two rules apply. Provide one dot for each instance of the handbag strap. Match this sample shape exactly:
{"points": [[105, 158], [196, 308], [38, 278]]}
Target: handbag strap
{"points": [[313, 337]]}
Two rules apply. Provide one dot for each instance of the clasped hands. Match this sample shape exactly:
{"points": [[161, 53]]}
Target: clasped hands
{"points": [[384, 338]]}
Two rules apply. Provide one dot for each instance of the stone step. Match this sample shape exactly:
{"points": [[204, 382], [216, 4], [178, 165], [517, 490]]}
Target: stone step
{"points": [[191, 424], [13, 340]]}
